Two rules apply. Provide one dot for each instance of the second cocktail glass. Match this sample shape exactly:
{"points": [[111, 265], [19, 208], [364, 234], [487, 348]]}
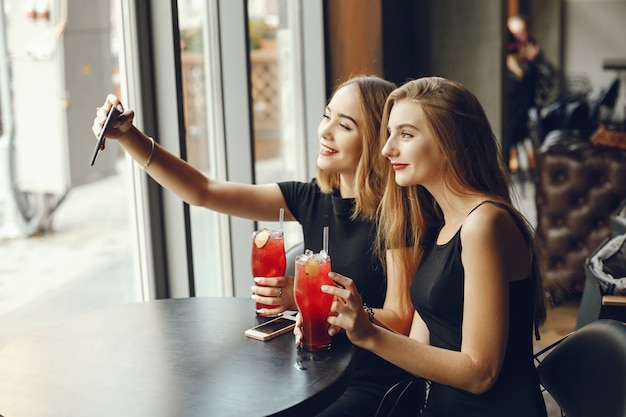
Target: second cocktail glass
{"points": [[311, 273]]}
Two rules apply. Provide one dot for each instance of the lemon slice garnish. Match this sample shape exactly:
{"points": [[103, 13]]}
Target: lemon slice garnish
{"points": [[261, 238], [312, 268]]}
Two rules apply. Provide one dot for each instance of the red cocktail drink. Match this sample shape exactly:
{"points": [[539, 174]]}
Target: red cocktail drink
{"points": [[314, 305], [268, 256]]}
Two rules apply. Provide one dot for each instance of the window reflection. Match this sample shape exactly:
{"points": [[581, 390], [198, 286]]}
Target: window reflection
{"points": [[276, 110], [275, 86], [202, 153], [193, 80]]}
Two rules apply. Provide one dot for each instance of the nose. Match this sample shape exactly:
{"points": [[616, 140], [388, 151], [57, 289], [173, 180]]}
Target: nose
{"points": [[324, 130], [388, 150]]}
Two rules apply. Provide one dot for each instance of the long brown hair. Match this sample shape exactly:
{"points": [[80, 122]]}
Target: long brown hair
{"points": [[373, 92], [472, 163]]}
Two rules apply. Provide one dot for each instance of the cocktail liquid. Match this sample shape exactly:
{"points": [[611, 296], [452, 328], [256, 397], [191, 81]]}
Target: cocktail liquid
{"points": [[268, 256], [314, 305]]}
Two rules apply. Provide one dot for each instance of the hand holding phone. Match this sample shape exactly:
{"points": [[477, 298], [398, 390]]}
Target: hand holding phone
{"points": [[114, 113], [272, 328]]}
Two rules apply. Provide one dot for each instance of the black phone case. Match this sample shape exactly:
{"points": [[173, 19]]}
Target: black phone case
{"points": [[113, 115]]}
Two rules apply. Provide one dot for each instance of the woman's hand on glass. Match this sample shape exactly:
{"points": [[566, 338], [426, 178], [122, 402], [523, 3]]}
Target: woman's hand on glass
{"points": [[274, 291], [347, 311]]}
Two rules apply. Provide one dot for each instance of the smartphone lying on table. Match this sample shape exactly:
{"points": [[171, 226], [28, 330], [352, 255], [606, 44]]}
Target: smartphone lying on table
{"points": [[272, 328]]}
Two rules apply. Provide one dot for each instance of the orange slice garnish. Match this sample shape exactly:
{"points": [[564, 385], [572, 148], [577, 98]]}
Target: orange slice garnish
{"points": [[312, 268]]}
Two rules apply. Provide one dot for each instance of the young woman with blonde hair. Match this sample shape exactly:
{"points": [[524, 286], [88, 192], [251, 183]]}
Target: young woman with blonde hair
{"points": [[477, 292]]}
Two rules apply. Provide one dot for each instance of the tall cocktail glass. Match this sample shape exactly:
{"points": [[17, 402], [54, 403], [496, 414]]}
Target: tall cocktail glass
{"points": [[311, 273], [268, 256]]}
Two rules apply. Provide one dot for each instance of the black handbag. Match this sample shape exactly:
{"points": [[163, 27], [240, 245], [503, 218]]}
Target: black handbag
{"points": [[409, 394]]}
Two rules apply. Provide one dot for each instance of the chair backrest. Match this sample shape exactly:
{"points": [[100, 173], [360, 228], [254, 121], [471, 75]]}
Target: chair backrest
{"points": [[586, 372], [290, 256]]}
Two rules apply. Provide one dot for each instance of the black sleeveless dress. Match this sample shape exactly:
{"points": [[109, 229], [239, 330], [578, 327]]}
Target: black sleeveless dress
{"points": [[350, 246], [438, 295]]}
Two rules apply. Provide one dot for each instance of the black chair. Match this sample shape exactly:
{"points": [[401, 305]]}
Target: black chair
{"points": [[290, 255], [585, 372]]}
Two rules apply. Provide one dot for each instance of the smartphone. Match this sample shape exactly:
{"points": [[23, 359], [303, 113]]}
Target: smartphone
{"points": [[114, 113], [271, 329]]}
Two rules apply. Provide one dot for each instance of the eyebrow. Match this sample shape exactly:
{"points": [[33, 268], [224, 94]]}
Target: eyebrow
{"points": [[343, 115], [403, 126]]}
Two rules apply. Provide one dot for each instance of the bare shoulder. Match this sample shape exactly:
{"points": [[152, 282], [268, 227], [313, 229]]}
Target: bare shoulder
{"points": [[492, 222], [491, 233]]}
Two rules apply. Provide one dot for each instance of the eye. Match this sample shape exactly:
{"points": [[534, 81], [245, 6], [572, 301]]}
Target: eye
{"points": [[406, 135], [345, 126], [325, 116]]}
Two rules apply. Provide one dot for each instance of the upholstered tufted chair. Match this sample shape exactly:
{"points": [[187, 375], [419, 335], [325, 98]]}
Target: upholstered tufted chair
{"points": [[578, 187]]}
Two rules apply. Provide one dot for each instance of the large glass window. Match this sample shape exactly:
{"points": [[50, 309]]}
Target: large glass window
{"points": [[275, 99], [65, 227], [99, 247], [275, 36], [205, 148]]}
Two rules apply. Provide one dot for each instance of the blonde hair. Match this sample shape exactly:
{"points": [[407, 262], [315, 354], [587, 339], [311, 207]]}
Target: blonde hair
{"points": [[472, 163], [373, 92]]}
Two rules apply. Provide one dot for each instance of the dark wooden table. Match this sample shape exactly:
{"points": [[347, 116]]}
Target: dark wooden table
{"points": [[177, 357]]}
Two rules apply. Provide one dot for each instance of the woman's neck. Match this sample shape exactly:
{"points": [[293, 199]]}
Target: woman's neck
{"points": [[455, 207], [346, 186]]}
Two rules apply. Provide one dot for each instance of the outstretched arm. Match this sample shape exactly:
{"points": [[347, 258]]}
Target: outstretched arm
{"points": [[257, 202]]}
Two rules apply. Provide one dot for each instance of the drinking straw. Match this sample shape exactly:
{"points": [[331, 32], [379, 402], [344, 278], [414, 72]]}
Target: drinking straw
{"points": [[325, 244], [281, 215]]}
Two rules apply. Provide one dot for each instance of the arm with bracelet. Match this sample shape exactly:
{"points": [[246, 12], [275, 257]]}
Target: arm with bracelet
{"points": [[251, 201]]}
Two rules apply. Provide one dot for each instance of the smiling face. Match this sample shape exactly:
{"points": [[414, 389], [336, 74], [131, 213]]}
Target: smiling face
{"points": [[340, 135], [411, 146]]}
